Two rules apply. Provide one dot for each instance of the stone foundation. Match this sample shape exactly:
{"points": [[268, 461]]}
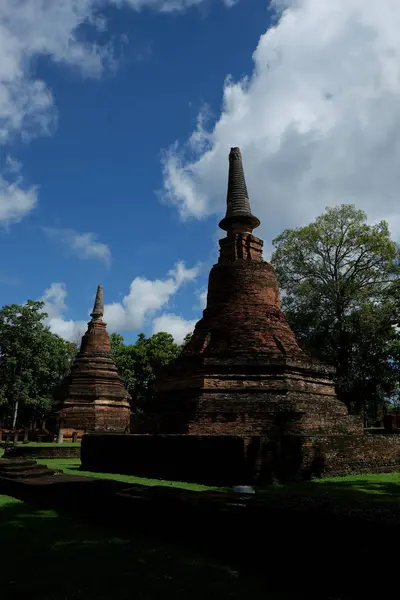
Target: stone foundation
{"points": [[254, 397]]}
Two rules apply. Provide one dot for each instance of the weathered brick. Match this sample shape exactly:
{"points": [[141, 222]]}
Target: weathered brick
{"points": [[94, 397]]}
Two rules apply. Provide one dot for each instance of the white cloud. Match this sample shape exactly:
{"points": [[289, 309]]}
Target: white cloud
{"points": [[83, 245], [55, 307], [50, 28], [16, 201], [170, 5], [201, 303], [175, 325], [146, 298], [318, 121], [203, 299]]}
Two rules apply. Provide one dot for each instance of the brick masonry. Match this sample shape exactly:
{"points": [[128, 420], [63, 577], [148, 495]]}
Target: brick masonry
{"points": [[94, 397], [243, 369], [338, 455]]}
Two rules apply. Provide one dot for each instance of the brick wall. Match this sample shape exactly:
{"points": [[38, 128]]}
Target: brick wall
{"points": [[44, 452], [332, 455]]}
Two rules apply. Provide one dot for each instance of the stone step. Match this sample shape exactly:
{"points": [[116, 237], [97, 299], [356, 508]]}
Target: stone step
{"points": [[20, 468], [16, 462], [17, 468], [31, 474]]}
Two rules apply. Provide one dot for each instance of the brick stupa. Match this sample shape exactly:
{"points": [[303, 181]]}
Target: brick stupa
{"points": [[243, 373], [94, 397]]}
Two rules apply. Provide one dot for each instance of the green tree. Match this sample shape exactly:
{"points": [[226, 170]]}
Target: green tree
{"points": [[138, 363], [33, 362], [340, 282]]}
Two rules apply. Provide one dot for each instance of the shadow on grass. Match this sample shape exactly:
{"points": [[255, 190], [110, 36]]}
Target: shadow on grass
{"points": [[107, 549], [52, 556], [361, 491], [357, 491]]}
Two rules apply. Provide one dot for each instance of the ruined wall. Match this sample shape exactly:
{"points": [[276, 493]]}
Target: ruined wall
{"points": [[340, 455]]}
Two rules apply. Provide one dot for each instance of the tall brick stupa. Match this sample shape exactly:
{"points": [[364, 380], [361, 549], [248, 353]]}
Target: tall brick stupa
{"points": [[243, 373], [94, 397]]}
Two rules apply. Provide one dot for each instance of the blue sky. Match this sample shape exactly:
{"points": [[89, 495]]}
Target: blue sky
{"points": [[92, 188], [101, 169]]}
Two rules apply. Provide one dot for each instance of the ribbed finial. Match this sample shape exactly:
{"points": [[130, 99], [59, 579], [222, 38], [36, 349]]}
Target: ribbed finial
{"points": [[98, 308], [237, 201]]}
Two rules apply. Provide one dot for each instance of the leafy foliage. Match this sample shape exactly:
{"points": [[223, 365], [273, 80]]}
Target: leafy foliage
{"points": [[138, 363], [340, 283], [33, 362]]}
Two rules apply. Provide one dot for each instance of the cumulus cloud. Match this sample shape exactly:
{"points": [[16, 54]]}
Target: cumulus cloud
{"points": [[50, 28], [55, 307], [175, 325], [83, 245], [203, 299], [16, 200], [29, 28], [146, 297], [170, 5], [318, 120]]}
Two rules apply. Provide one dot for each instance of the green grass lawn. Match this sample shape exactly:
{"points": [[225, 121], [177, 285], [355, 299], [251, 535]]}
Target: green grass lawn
{"points": [[49, 556], [382, 488]]}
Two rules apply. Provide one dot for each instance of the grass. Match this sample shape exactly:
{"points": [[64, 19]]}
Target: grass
{"points": [[381, 488], [50, 556]]}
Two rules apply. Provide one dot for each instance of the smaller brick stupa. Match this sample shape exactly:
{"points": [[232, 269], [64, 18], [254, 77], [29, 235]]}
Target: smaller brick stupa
{"points": [[94, 397]]}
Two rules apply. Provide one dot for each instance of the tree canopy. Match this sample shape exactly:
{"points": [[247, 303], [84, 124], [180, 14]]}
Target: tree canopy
{"points": [[340, 282], [138, 363], [33, 362]]}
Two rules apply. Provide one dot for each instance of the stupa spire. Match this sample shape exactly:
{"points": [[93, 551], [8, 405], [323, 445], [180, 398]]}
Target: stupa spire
{"points": [[98, 308], [238, 212]]}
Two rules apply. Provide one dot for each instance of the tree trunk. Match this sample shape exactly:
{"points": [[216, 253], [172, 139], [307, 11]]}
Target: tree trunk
{"points": [[15, 415]]}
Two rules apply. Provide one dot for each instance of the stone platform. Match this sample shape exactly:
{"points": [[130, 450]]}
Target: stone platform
{"points": [[21, 468]]}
